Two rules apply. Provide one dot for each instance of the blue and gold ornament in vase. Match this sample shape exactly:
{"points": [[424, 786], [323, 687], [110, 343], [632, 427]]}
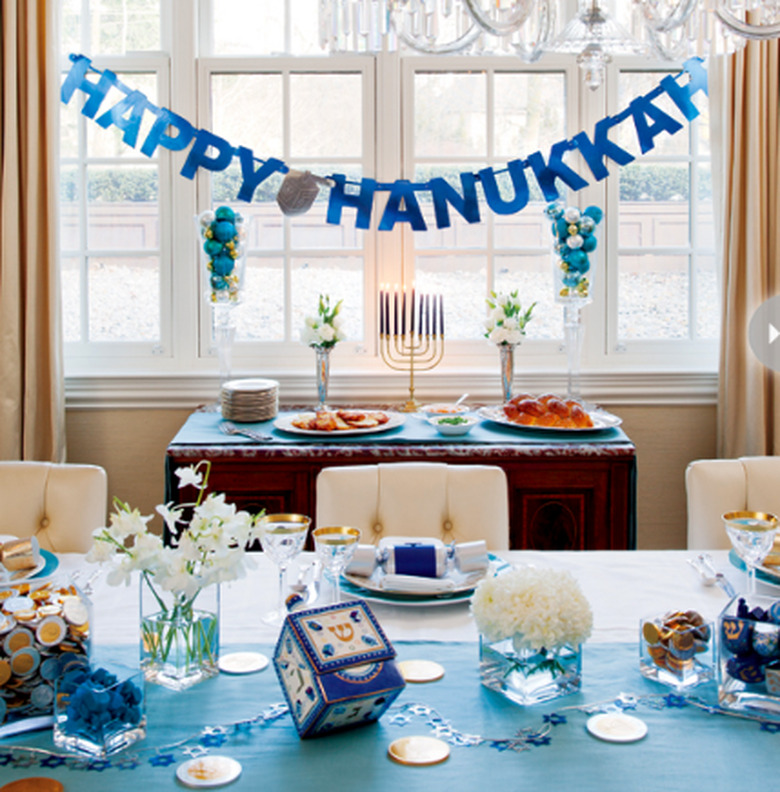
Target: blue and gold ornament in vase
{"points": [[223, 246], [575, 240]]}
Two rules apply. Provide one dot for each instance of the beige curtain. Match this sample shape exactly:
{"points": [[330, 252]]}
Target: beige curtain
{"points": [[746, 103], [31, 384]]}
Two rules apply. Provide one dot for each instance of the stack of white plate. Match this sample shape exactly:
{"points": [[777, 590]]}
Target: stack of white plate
{"points": [[250, 400]]}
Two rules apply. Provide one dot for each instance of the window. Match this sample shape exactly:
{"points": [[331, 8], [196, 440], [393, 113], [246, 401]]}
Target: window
{"points": [[252, 72]]}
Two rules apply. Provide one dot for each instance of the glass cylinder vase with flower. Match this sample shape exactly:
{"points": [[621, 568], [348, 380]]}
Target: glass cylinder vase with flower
{"points": [[532, 623], [322, 332], [179, 581], [505, 327]]}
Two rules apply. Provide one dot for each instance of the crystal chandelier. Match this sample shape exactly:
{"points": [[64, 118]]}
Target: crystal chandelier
{"points": [[669, 29]]}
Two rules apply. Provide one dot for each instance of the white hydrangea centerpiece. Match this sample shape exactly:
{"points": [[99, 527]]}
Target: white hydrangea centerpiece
{"points": [[507, 320], [537, 608], [208, 549], [325, 329]]}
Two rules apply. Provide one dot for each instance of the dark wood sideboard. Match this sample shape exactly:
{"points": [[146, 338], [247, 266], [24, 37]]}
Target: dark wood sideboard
{"points": [[574, 496]]}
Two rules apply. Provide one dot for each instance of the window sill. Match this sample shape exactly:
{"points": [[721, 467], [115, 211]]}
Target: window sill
{"points": [[178, 391]]}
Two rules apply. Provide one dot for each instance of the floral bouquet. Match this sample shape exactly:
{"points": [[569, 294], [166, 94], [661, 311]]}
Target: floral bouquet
{"points": [[532, 623], [325, 329], [204, 551], [507, 320]]}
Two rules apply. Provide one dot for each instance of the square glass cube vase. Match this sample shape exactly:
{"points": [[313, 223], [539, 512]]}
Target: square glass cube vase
{"points": [[336, 668], [179, 636], [100, 711], [678, 655], [748, 660], [529, 676]]}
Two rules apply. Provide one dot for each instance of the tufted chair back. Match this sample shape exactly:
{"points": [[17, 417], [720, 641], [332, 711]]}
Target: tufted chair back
{"points": [[457, 503], [59, 504], [715, 486]]}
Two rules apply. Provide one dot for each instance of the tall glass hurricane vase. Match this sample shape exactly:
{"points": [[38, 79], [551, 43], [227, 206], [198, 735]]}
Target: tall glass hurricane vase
{"points": [[323, 375], [179, 635], [507, 357]]}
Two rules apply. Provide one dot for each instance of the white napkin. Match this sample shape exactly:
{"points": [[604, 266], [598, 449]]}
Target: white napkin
{"points": [[411, 584]]}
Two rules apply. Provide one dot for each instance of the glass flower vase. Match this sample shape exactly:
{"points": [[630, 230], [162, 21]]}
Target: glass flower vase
{"points": [[323, 375], [529, 676], [507, 358], [179, 636]]}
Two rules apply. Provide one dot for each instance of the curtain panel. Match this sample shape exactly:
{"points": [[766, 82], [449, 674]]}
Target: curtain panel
{"points": [[31, 380], [746, 158]]}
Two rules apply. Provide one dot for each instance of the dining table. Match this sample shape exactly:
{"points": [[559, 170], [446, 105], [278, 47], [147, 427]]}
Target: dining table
{"points": [[690, 741]]}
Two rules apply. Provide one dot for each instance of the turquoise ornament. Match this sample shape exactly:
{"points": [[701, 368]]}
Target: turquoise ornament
{"points": [[587, 224], [225, 213], [561, 228], [554, 211], [218, 283], [212, 247], [588, 244], [595, 213], [223, 264], [571, 279], [578, 261], [223, 230]]}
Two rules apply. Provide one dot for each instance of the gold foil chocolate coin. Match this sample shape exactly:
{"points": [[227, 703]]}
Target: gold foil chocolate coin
{"points": [[5, 672], [208, 771], [35, 784], [242, 663], [616, 727], [418, 750], [420, 670]]}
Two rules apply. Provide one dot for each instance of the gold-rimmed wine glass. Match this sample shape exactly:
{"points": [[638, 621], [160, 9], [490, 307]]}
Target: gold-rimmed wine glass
{"points": [[752, 534], [282, 537], [335, 546]]}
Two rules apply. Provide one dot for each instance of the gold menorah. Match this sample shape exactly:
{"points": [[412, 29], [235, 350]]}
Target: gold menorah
{"points": [[411, 334]]}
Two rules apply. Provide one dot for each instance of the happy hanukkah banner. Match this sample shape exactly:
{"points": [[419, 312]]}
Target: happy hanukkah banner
{"points": [[212, 152]]}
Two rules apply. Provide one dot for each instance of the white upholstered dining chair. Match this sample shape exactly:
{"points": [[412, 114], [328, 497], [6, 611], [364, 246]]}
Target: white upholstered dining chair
{"points": [[457, 503], [61, 505], [716, 486]]}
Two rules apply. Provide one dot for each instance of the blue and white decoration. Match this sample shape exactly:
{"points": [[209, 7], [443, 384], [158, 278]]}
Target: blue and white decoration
{"points": [[212, 152], [336, 668]]}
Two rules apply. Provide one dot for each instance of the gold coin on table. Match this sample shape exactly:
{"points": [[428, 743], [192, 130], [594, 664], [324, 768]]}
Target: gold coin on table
{"points": [[418, 750], [208, 771], [420, 670], [34, 784]]}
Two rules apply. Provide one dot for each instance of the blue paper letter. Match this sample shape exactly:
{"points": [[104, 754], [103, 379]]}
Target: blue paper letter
{"points": [[593, 152], [361, 201], [555, 168], [681, 94], [465, 204], [403, 190], [197, 157], [158, 134], [77, 78], [516, 170], [663, 122], [134, 103], [253, 177]]}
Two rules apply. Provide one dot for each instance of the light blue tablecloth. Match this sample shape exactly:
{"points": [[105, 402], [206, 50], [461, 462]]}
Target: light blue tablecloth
{"points": [[202, 428], [686, 748]]}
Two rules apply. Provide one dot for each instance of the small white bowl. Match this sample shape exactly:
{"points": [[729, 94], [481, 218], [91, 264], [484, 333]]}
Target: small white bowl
{"points": [[443, 409], [441, 422]]}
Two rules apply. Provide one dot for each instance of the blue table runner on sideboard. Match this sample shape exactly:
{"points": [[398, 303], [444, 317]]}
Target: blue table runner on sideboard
{"points": [[202, 428], [685, 747]]}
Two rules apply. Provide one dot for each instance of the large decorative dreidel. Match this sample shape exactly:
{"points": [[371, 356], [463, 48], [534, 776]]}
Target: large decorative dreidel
{"points": [[336, 668]]}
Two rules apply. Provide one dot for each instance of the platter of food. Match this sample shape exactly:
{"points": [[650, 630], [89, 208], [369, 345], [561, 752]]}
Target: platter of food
{"points": [[329, 423], [550, 413]]}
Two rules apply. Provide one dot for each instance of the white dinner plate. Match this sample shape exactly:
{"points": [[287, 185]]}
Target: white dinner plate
{"points": [[284, 422], [601, 420]]}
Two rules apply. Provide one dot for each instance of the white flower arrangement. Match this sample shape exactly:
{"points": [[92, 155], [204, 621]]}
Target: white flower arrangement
{"points": [[507, 319], [536, 607], [210, 549], [325, 329]]}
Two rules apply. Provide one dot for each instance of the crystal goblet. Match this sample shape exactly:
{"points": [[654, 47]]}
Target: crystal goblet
{"points": [[752, 534], [282, 537], [335, 546]]}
